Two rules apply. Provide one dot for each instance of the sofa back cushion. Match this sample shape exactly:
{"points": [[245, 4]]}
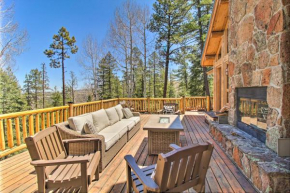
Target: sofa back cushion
{"points": [[119, 111], [127, 113], [77, 123], [100, 120], [113, 115]]}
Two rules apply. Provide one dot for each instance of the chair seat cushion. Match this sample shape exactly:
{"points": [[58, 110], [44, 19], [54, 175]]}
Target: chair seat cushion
{"points": [[135, 119], [66, 173], [110, 138]]}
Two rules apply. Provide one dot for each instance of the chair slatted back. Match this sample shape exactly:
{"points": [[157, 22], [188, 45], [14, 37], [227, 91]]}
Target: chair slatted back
{"points": [[183, 168], [46, 145]]}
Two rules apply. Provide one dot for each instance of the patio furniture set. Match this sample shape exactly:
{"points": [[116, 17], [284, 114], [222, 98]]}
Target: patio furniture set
{"points": [[71, 154]]}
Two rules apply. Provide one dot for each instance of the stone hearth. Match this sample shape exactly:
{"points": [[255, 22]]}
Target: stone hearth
{"points": [[261, 165]]}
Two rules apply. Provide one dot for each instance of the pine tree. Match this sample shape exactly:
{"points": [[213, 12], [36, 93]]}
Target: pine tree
{"points": [[11, 99], [45, 83], [36, 86], [170, 21], [156, 71], [27, 89], [107, 68], [59, 51], [56, 98], [171, 88]]}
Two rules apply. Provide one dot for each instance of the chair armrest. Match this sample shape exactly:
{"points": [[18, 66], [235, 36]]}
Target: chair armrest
{"points": [[136, 114], [80, 140], [147, 182], [174, 146], [43, 163]]}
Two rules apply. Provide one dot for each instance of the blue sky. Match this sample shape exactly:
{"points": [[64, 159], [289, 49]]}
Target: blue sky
{"points": [[43, 18]]}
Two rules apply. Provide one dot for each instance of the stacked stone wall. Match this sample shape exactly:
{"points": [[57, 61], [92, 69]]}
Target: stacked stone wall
{"points": [[259, 45]]}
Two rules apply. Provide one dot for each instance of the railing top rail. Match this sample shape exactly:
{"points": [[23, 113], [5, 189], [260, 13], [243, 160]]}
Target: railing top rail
{"points": [[32, 112], [86, 103], [108, 100]]}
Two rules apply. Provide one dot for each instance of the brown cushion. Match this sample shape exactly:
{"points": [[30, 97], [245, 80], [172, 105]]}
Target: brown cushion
{"points": [[89, 128], [127, 113]]}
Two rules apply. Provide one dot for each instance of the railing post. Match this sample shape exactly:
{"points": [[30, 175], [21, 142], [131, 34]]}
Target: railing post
{"points": [[148, 104], [208, 103], [71, 109], [183, 104], [118, 100], [102, 104]]}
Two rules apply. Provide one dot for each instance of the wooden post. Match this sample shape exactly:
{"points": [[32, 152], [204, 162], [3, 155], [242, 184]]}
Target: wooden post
{"points": [[2, 140], [207, 103], [102, 104], [70, 109], [183, 104], [148, 105], [118, 100]]}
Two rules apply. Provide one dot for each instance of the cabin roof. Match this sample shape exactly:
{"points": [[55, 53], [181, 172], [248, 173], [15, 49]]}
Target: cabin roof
{"points": [[216, 29]]}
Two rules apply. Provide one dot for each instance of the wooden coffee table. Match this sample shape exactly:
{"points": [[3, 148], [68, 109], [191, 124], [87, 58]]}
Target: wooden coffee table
{"points": [[161, 135]]}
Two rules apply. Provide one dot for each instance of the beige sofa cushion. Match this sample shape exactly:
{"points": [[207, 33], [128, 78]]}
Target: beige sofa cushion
{"points": [[110, 138], [135, 119], [127, 113], [130, 123], [100, 120], [77, 123], [120, 127], [119, 111], [113, 115], [89, 128]]}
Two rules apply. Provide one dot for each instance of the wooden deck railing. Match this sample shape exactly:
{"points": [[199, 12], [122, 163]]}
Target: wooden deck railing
{"points": [[15, 127]]}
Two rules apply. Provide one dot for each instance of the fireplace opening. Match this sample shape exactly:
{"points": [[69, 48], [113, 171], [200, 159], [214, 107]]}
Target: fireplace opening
{"points": [[252, 111]]}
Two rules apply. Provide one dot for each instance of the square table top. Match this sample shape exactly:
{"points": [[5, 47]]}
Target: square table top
{"points": [[173, 125]]}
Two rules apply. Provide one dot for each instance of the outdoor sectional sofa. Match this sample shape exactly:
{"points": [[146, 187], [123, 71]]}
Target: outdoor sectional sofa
{"points": [[114, 131]]}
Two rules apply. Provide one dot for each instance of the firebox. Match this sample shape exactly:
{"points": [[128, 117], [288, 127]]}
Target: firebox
{"points": [[252, 111]]}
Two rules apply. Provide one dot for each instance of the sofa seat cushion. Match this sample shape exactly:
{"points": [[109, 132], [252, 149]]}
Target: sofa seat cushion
{"points": [[110, 138], [130, 123], [120, 127], [119, 111], [113, 115], [135, 119], [77, 123], [100, 120]]}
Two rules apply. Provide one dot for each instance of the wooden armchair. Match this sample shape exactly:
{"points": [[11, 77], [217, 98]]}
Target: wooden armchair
{"points": [[56, 168], [175, 171]]}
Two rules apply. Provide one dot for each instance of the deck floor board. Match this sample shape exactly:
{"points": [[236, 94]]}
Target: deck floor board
{"points": [[17, 175]]}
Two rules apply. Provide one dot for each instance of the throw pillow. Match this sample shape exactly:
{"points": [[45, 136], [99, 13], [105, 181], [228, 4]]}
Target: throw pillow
{"points": [[119, 111], [113, 115], [100, 119], [127, 113], [77, 123], [89, 128]]}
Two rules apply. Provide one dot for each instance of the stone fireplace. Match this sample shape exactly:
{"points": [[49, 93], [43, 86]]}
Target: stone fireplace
{"points": [[259, 58], [252, 111]]}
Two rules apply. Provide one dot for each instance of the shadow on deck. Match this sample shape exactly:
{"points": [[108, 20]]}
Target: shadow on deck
{"points": [[17, 175]]}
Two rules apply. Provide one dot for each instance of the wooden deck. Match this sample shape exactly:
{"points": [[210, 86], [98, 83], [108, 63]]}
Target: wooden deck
{"points": [[17, 175]]}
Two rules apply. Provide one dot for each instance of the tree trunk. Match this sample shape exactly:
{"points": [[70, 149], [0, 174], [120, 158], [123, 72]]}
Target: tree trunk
{"points": [[63, 76], [205, 80], [154, 78], [166, 70], [145, 64]]}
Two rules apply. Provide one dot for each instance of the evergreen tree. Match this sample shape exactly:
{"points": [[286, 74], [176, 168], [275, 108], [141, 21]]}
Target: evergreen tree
{"points": [[45, 83], [36, 86], [59, 51], [107, 68], [171, 89], [56, 98], [27, 89], [11, 99], [171, 21]]}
